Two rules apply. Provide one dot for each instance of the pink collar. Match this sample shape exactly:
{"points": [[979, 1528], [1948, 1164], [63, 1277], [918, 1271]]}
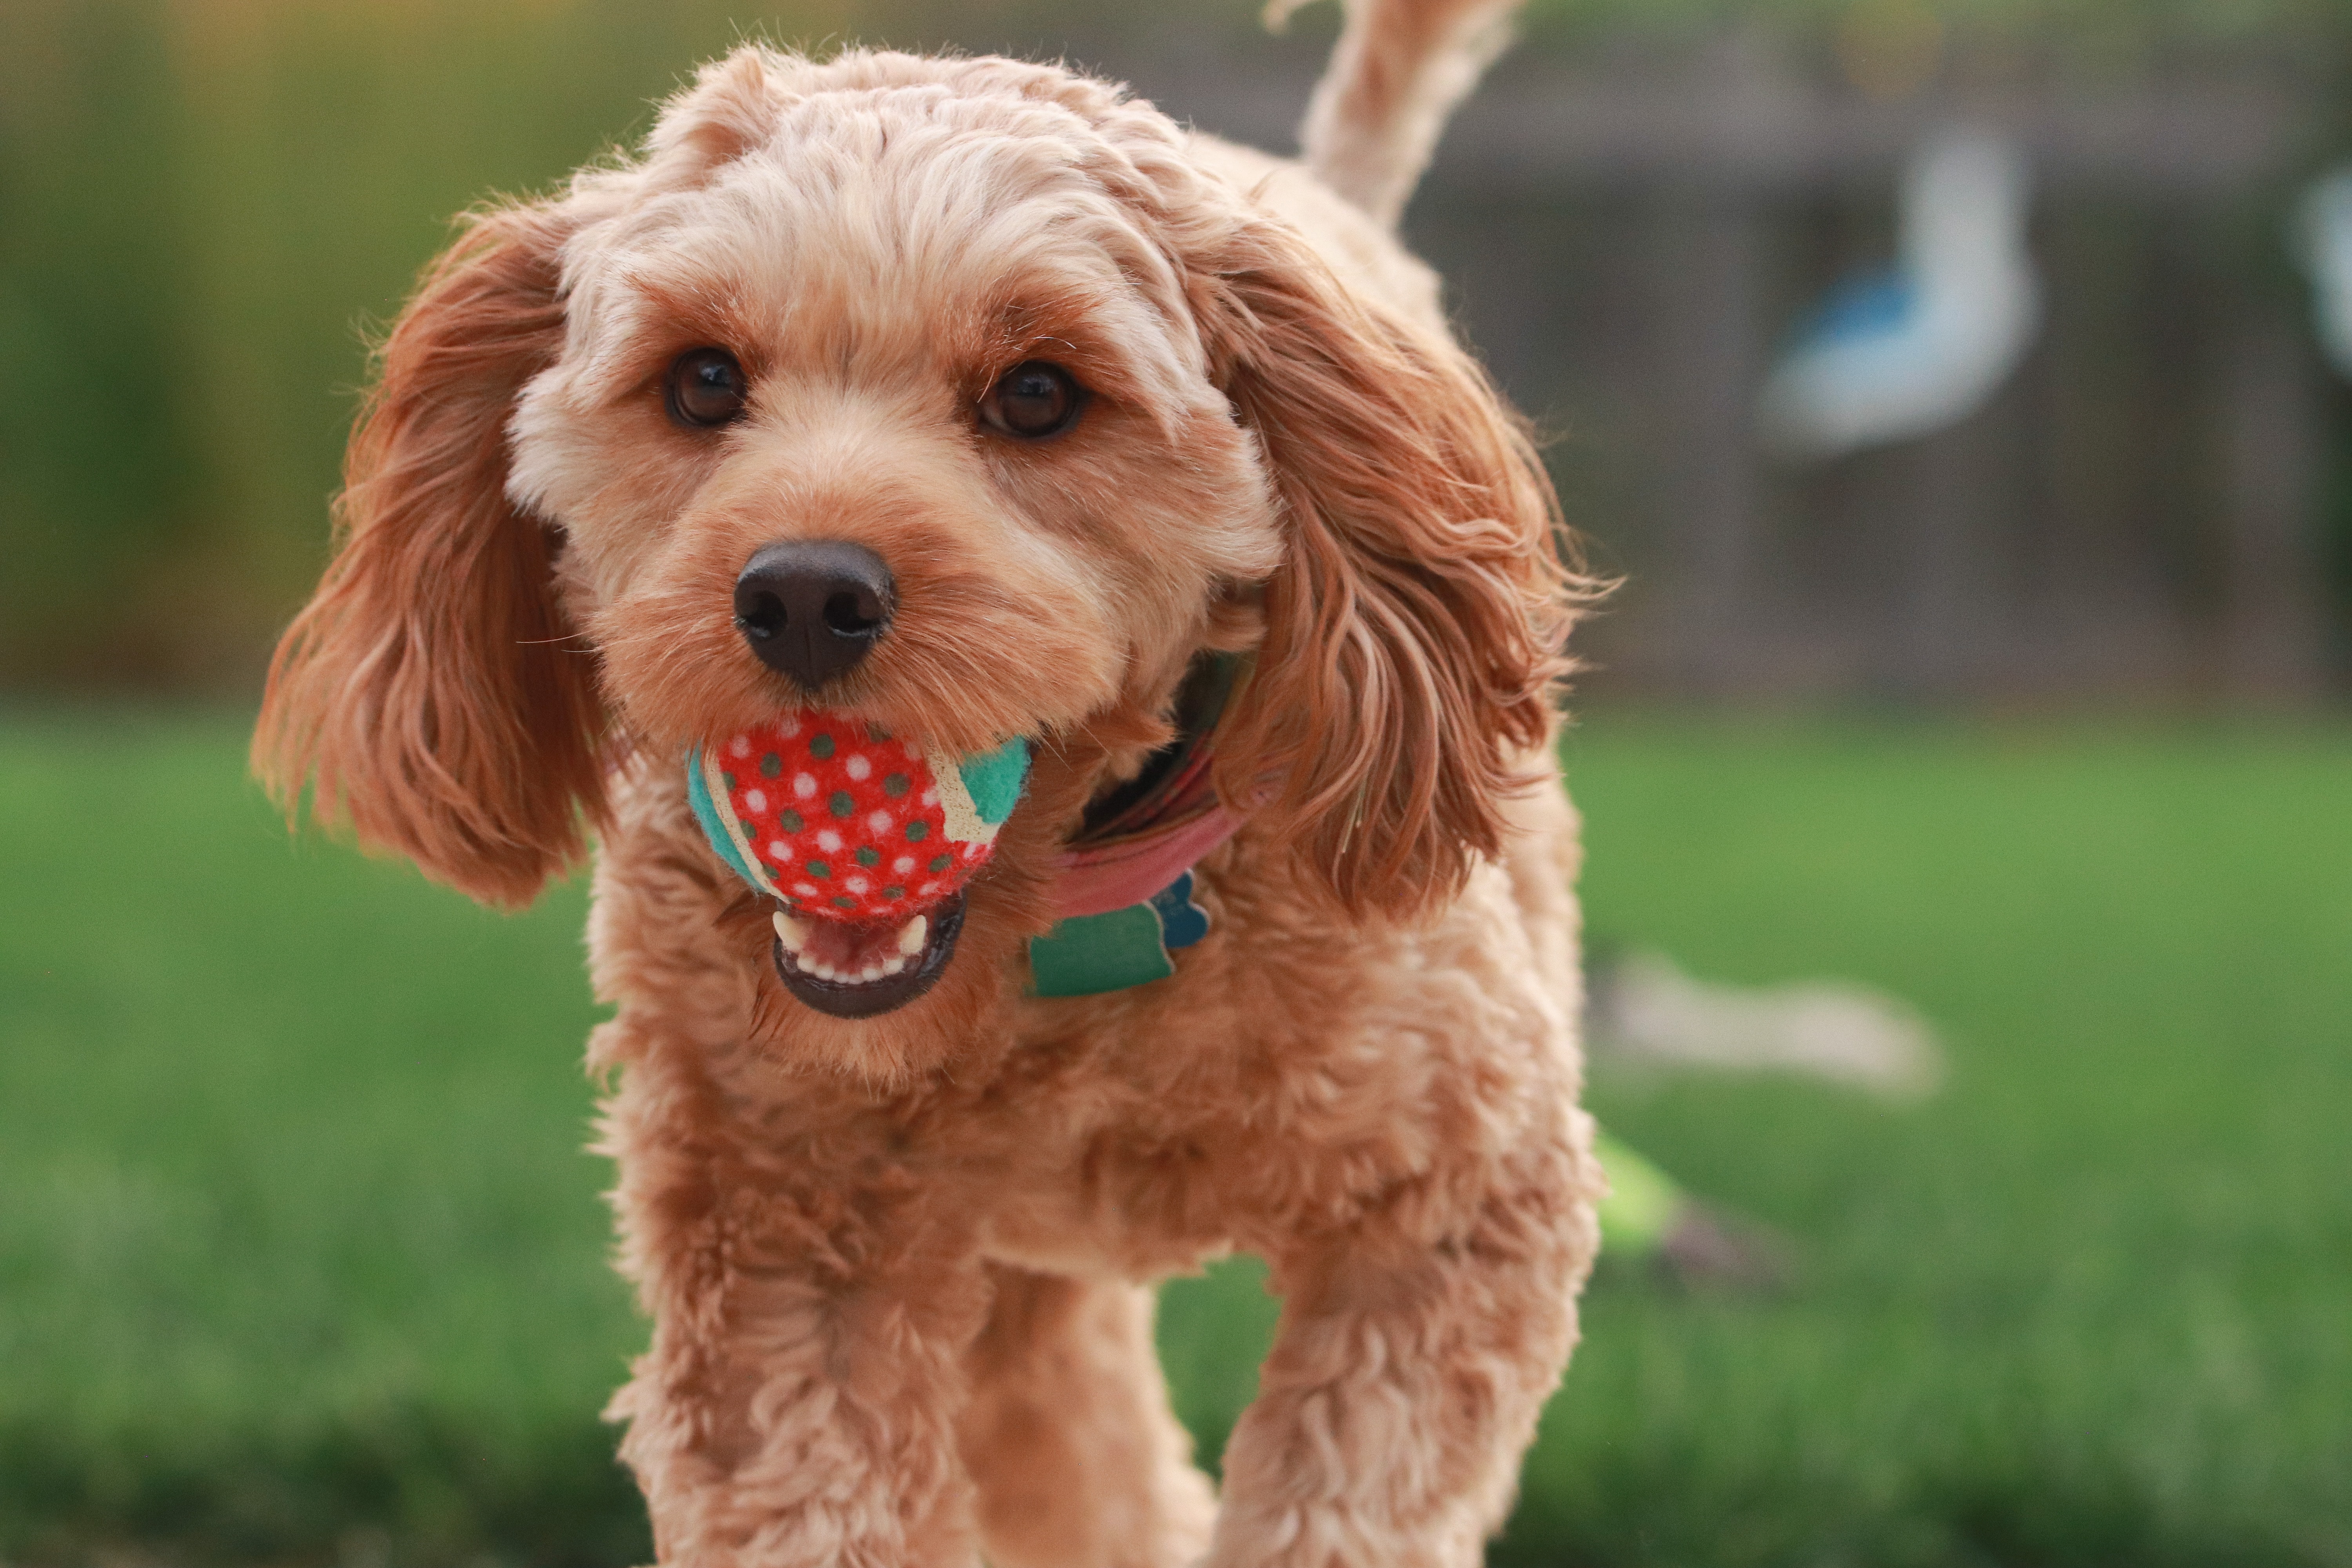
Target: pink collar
{"points": [[1101, 877], [1147, 842]]}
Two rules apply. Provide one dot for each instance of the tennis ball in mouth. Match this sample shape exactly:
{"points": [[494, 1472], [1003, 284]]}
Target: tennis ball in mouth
{"points": [[840, 819]]}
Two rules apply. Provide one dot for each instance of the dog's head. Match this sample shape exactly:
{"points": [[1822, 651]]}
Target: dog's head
{"points": [[974, 362]]}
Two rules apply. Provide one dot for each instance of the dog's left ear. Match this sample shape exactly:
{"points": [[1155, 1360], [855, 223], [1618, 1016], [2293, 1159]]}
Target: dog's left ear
{"points": [[1414, 630]]}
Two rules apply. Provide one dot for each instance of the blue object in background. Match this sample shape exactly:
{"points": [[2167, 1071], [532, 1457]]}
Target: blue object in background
{"points": [[2322, 242], [1904, 352], [1874, 305]]}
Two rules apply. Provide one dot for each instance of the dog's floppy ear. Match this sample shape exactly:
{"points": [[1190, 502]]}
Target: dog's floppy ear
{"points": [[1414, 631], [431, 691]]}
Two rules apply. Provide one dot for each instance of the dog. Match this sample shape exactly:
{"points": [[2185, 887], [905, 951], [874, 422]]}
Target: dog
{"points": [[1156, 453]]}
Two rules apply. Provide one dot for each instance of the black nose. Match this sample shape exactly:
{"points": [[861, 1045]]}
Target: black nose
{"points": [[812, 608]]}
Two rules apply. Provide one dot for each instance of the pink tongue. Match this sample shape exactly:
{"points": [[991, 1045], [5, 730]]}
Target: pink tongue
{"points": [[851, 949]]}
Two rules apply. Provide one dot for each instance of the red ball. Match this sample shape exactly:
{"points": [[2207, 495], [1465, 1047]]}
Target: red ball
{"points": [[838, 818]]}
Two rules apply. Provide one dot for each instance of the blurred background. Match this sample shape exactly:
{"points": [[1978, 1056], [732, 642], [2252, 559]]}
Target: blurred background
{"points": [[208, 201], [1954, 384]]}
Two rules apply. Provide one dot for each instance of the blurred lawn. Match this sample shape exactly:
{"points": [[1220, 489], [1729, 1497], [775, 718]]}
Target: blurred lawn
{"points": [[299, 1259]]}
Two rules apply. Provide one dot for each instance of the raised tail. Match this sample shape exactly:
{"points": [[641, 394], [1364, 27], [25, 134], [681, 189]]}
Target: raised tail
{"points": [[1400, 68]]}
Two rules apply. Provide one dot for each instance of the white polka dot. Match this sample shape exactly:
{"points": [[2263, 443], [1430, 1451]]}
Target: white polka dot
{"points": [[805, 785], [741, 745], [858, 884], [879, 822], [968, 851], [929, 887], [805, 889], [780, 850], [756, 799], [829, 841], [912, 749], [858, 767], [788, 726], [903, 864], [931, 797]]}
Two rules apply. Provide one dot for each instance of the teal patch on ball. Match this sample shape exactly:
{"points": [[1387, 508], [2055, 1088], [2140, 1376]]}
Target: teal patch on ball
{"points": [[714, 824], [993, 780]]}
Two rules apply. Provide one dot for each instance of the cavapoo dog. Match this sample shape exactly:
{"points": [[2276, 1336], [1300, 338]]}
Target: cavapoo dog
{"points": [[943, 404]]}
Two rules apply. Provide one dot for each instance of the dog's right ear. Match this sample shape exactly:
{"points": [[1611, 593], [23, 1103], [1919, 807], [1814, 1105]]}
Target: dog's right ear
{"points": [[431, 693]]}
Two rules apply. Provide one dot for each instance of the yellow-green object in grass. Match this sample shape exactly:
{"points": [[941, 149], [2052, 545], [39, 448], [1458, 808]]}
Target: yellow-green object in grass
{"points": [[1643, 1204]]}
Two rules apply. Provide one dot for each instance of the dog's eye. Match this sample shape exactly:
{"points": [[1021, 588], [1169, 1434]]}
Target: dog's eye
{"points": [[706, 389], [1033, 399]]}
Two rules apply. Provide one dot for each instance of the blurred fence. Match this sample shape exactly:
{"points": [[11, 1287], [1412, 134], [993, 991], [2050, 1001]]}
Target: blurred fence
{"points": [[2138, 510], [2149, 509]]}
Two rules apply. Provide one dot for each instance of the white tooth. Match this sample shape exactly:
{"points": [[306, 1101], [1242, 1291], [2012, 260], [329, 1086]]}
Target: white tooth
{"points": [[792, 933], [913, 934], [869, 975], [894, 966], [822, 971]]}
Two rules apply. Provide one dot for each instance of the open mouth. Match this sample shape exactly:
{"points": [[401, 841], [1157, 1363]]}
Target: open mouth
{"points": [[865, 970]]}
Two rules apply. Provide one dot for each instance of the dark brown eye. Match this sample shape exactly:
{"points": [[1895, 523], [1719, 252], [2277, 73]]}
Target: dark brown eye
{"points": [[706, 389], [1033, 399]]}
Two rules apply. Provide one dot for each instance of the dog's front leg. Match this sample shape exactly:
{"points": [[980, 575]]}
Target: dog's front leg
{"points": [[811, 1312], [1078, 1461], [1406, 1377]]}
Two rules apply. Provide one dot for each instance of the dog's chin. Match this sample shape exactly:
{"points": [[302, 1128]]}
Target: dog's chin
{"points": [[846, 972]]}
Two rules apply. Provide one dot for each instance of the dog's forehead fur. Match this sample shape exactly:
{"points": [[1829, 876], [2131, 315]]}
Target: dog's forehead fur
{"points": [[893, 214]]}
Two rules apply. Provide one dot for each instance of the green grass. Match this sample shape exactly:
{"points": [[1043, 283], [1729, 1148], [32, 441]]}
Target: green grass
{"points": [[299, 1259], [2093, 1304], [297, 1232]]}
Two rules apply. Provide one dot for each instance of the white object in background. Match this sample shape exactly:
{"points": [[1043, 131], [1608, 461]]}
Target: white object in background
{"points": [[2324, 244], [1643, 1010], [1912, 351]]}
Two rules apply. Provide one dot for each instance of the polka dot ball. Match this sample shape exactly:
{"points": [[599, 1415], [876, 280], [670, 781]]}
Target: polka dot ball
{"points": [[837, 818]]}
